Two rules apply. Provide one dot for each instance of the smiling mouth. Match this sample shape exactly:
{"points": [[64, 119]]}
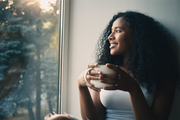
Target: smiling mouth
{"points": [[113, 45]]}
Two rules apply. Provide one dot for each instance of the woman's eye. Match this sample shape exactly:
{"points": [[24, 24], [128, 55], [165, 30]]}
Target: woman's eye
{"points": [[118, 31]]}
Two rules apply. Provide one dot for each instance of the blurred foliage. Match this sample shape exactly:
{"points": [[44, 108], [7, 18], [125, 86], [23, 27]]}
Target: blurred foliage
{"points": [[29, 36]]}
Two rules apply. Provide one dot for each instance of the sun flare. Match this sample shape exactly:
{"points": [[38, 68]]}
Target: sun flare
{"points": [[45, 5]]}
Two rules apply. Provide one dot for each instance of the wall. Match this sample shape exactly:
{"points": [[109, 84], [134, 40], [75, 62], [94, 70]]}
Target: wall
{"points": [[88, 18]]}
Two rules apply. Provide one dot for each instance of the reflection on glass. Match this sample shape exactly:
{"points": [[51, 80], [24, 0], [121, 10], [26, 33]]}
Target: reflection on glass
{"points": [[28, 58]]}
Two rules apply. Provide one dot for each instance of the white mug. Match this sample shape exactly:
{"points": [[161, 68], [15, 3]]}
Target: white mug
{"points": [[104, 70]]}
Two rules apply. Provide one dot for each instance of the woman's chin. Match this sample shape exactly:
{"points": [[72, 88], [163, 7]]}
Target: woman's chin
{"points": [[113, 53]]}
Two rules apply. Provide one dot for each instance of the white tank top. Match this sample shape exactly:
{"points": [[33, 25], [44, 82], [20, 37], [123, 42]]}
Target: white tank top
{"points": [[118, 103]]}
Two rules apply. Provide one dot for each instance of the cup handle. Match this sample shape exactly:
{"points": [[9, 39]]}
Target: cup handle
{"points": [[86, 75]]}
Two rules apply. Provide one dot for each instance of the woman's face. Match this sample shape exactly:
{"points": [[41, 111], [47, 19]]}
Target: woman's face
{"points": [[120, 38]]}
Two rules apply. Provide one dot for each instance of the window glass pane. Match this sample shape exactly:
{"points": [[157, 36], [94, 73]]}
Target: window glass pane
{"points": [[29, 39]]}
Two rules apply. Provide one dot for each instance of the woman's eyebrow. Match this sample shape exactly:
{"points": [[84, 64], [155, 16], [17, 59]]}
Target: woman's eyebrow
{"points": [[116, 28], [119, 27]]}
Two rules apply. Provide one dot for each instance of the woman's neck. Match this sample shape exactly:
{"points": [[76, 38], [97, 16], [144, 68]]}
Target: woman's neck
{"points": [[126, 65], [125, 62]]}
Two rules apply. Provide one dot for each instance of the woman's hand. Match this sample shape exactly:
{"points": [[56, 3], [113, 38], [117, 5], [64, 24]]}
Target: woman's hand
{"points": [[121, 80], [55, 116], [91, 75]]}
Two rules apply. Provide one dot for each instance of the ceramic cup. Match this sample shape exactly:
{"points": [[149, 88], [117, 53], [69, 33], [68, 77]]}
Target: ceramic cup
{"points": [[104, 70]]}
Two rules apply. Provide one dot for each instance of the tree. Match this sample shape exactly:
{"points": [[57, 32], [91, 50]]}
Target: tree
{"points": [[36, 31]]}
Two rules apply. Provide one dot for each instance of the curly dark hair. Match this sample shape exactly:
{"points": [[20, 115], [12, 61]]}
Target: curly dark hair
{"points": [[153, 58]]}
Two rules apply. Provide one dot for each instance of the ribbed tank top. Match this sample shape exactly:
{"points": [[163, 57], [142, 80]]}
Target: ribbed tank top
{"points": [[118, 103]]}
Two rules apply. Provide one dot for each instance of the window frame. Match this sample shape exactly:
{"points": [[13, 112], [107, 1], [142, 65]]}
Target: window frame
{"points": [[63, 56]]}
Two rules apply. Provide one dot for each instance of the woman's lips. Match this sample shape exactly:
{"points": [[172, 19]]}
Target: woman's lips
{"points": [[113, 45]]}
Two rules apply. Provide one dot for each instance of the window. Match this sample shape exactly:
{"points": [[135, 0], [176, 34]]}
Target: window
{"points": [[29, 58]]}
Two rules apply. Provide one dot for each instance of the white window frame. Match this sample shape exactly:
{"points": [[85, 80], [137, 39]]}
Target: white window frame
{"points": [[63, 55]]}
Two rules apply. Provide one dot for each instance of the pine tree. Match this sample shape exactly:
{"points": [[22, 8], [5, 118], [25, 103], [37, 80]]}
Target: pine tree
{"points": [[30, 37]]}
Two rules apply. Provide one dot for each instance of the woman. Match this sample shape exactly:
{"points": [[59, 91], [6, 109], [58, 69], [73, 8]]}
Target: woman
{"points": [[145, 54]]}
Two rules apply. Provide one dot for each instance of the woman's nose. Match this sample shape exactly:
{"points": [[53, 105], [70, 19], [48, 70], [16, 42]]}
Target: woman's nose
{"points": [[111, 36]]}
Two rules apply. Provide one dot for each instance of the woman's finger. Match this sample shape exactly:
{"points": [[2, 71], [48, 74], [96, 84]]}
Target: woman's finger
{"points": [[94, 72], [90, 77], [109, 76], [108, 81], [92, 65], [114, 67], [119, 71]]}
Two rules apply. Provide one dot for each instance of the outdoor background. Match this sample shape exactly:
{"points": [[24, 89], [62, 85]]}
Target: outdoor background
{"points": [[29, 51]]}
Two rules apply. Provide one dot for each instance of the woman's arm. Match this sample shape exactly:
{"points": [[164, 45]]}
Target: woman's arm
{"points": [[160, 108], [91, 108], [90, 105], [96, 100], [162, 104]]}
